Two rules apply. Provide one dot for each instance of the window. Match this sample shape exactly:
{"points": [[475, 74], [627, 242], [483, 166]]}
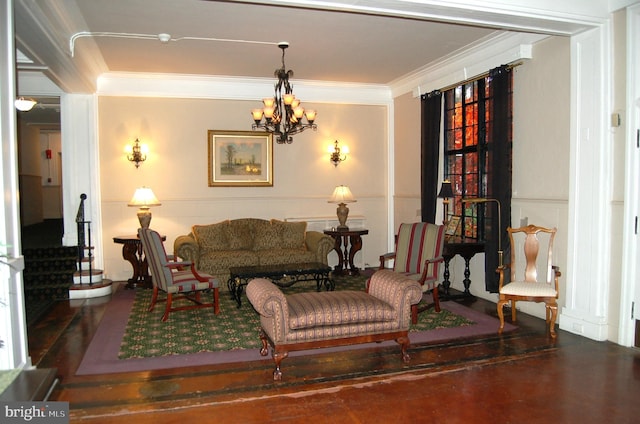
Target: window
{"points": [[467, 142]]}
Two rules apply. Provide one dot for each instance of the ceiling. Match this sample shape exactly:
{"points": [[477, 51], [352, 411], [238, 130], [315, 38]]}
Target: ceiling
{"points": [[72, 42]]}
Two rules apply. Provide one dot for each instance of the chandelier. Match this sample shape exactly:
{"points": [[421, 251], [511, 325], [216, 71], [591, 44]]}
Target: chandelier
{"points": [[283, 115]]}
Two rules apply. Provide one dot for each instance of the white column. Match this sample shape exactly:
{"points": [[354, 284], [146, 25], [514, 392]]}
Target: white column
{"points": [[13, 331], [589, 241]]}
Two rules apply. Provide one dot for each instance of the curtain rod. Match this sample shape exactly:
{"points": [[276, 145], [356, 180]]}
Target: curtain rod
{"points": [[476, 78]]}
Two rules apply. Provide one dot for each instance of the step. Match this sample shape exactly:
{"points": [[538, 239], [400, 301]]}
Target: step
{"points": [[31, 385], [82, 277], [86, 291]]}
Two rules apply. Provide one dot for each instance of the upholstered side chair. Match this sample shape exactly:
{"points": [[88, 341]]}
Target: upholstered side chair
{"points": [[533, 277], [175, 278], [418, 256]]}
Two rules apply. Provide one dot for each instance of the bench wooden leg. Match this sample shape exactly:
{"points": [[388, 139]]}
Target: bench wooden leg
{"points": [[404, 343], [277, 358], [265, 346]]}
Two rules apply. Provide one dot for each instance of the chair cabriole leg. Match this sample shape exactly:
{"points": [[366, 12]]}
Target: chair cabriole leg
{"points": [[500, 308]]}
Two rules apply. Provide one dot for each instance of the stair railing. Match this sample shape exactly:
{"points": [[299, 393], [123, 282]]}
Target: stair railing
{"points": [[84, 241]]}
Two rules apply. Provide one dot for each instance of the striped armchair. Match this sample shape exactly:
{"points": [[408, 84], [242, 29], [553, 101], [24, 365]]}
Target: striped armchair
{"points": [[175, 278], [418, 256]]}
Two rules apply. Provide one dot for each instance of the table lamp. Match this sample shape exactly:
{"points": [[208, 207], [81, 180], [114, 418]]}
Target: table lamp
{"points": [[446, 193], [342, 195], [144, 199]]}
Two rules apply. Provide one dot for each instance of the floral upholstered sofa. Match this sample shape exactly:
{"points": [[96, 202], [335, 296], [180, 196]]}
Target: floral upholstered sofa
{"points": [[214, 248]]}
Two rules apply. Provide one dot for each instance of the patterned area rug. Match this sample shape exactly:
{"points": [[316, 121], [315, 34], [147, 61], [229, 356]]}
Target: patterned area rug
{"points": [[199, 330], [103, 353]]}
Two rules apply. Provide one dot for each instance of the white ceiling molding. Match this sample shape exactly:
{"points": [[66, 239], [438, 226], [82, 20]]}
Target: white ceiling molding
{"points": [[542, 16], [489, 53], [236, 88], [49, 23]]}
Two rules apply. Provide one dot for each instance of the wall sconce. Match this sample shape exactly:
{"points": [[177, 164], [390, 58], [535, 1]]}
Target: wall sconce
{"points": [[337, 154], [137, 153], [24, 105]]}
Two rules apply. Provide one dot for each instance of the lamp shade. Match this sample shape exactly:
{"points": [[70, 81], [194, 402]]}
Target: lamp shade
{"points": [[446, 191], [144, 197], [342, 194]]}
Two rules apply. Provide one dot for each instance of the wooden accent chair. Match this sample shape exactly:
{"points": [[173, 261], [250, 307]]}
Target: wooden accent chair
{"points": [[418, 256], [175, 277], [533, 276]]}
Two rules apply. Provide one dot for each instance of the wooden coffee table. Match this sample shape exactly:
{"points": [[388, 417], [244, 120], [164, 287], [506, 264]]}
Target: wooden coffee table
{"points": [[282, 275]]}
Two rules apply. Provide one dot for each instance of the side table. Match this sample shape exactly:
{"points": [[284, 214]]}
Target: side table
{"points": [[132, 252], [465, 249], [347, 244]]}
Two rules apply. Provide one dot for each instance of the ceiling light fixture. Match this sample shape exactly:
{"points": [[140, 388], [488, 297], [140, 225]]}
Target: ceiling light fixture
{"points": [[24, 105], [283, 115]]}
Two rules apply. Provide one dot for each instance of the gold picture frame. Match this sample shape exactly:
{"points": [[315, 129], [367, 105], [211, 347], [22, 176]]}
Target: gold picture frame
{"points": [[240, 158]]}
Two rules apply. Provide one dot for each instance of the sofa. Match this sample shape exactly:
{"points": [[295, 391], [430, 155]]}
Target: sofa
{"points": [[312, 320], [214, 248]]}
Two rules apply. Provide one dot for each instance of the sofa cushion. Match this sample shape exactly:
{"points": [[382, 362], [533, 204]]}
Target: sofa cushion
{"points": [[313, 309], [240, 234], [221, 260], [285, 256], [213, 236], [291, 233], [266, 236]]}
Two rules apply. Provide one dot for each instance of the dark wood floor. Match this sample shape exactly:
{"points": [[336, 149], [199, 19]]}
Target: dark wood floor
{"points": [[520, 377]]}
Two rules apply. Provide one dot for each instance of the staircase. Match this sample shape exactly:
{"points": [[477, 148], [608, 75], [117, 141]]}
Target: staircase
{"points": [[88, 282], [48, 275]]}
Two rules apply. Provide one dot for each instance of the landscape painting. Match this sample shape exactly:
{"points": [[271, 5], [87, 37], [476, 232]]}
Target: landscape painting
{"points": [[240, 158]]}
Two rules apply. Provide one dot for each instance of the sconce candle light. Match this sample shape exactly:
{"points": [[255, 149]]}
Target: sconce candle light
{"points": [[338, 154], [144, 199], [137, 153], [342, 195]]}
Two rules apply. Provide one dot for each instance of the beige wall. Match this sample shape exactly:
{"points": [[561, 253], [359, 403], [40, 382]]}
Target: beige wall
{"points": [[175, 131], [407, 159]]}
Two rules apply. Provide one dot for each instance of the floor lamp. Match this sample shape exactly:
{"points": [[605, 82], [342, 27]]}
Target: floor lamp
{"points": [[488, 200]]}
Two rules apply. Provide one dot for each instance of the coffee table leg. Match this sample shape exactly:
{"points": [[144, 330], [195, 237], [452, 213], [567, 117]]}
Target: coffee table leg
{"points": [[234, 284]]}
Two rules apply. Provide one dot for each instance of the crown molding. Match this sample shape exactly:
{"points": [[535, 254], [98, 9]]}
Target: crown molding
{"points": [[236, 88], [492, 51]]}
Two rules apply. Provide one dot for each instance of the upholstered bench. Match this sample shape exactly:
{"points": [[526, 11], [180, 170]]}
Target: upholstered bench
{"points": [[314, 320]]}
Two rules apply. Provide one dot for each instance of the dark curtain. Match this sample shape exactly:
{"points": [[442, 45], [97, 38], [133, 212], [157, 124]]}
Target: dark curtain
{"points": [[498, 172], [431, 115]]}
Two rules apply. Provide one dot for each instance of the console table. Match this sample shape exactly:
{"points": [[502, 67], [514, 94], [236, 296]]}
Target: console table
{"points": [[282, 275], [347, 244], [132, 252], [466, 249]]}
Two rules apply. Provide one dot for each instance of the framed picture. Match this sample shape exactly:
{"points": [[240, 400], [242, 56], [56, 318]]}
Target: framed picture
{"points": [[452, 226], [240, 159]]}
